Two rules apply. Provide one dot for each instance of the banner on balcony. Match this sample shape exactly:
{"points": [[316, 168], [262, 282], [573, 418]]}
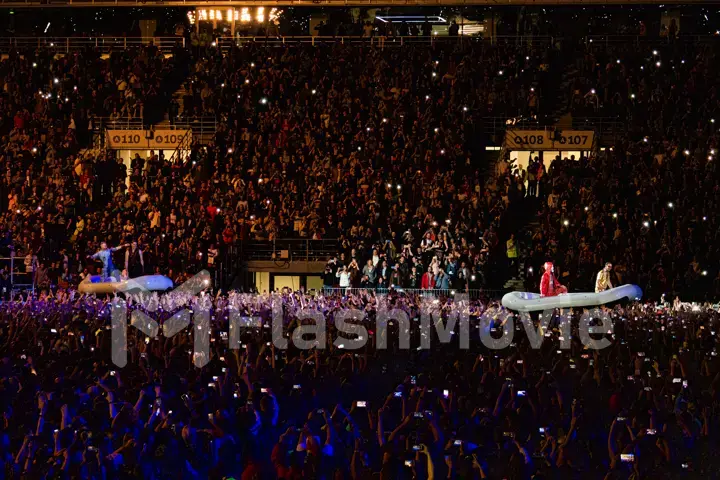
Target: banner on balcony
{"points": [[549, 139], [147, 139]]}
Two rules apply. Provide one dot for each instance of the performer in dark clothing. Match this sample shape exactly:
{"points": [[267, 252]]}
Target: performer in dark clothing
{"points": [[134, 261]]}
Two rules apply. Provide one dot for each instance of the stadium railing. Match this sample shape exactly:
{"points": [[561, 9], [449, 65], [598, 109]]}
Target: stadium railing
{"points": [[429, 293], [67, 44], [290, 250]]}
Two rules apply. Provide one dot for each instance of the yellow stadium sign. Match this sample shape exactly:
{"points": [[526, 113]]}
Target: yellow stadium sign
{"points": [[152, 140], [549, 139]]}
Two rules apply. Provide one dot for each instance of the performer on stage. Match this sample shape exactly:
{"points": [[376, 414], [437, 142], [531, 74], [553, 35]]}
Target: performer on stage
{"points": [[134, 261], [602, 282], [105, 256], [549, 286]]}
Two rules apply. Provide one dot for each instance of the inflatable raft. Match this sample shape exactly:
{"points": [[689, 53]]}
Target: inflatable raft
{"points": [[532, 302], [94, 284]]}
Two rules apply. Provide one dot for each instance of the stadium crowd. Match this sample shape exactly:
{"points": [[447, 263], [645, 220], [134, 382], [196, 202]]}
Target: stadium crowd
{"points": [[646, 203], [644, 407], [379, 148]]}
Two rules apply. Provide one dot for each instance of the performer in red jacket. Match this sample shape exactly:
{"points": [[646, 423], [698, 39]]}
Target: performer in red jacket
{"points": [[549, 286]]}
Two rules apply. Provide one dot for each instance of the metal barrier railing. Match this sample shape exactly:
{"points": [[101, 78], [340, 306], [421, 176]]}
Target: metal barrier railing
{"points": [[431, 293], [20, 280], [67, 44], [291, 250], [123, 123], [379, 41]]}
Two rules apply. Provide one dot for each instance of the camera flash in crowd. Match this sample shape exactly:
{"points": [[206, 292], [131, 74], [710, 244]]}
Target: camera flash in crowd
{"points": [[214, 44], [263, 100], [399, 187], [500, 72], [447, 221], [530, 269], [587, 208], [246, 81], [704, 218], [55, 80], [34, 150], [427, 97], [252, 64], [618, 60], [615, 215], [442, 152], [646, 224], [434, 224], [434, 74], [259, 180], [314, 91], [670, 205], [437, 130], [654, 52], [657, 64], [359, 149], [230, 150], [687, 152], [592, 91], [704, 273], [384, 120], [566, 222]]}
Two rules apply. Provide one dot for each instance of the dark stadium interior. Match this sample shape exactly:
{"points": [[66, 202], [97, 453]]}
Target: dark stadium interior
{"points": [[317, 159]]}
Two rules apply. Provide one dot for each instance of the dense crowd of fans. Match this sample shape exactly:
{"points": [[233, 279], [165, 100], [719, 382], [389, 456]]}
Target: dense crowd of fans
{"points": [[646, 204], [645, 406]]}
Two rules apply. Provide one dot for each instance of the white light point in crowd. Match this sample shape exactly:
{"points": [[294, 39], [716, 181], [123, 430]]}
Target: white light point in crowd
{"points": [[263, 100], [434, 74], [427, 97], [437, 130], [566, 222], [359, 149], [434, 224], [472, 277], [34, 150], [646, 224], [712, 120], [389, 185], [654, 52], [442, 152], [704, 272], [267, 202], [704, 218], [222, 85], [687, 152], [632, 95], [587, 208], [614, 215], [34, 65], [314, 91], [645, 139], [368, 129], [500, 72], [252, 65], [384, 120], [670, 205], [252, 217], [530, 269], [618, 60], [259, 180], [527, 58], [399, 187], [447, 221], [437, 62], [592, 91], [214, 44], [657, 64], [55, 80], [230, 150], [246, 82]]}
